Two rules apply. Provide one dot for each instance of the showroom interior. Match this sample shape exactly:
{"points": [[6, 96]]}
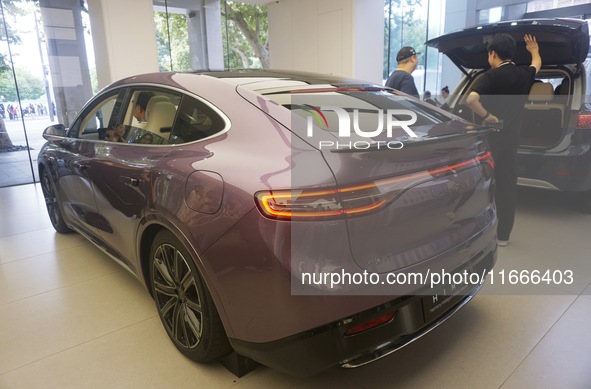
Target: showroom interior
{"points": [[72, 318]]}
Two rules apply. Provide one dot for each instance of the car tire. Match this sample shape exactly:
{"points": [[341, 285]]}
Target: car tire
{"points": [[183, 301], [52, 203]]}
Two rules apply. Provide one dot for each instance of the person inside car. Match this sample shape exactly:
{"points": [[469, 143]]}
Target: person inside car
{"points": [[147, 138], [115, 134], [139, 111]]}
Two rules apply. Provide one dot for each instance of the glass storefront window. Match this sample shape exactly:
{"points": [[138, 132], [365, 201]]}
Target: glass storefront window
{"points": [[44, 78], [544, 5], [411, 23], [490, 15], [49, 70], [172, 39], [210, 34]]}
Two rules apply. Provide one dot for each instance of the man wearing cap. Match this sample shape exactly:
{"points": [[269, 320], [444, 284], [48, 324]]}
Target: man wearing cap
{"points": [[401, 78]]}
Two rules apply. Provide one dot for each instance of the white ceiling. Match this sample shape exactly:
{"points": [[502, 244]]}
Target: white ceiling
{"points": [[190, 4]]}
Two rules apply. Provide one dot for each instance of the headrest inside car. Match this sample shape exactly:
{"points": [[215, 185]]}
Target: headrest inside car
{"points": [[541, 91]]}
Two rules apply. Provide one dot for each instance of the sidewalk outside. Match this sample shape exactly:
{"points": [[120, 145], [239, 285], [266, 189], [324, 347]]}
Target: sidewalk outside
{"points": [[15, 166]]}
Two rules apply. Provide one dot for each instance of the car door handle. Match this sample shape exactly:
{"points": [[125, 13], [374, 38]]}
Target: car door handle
{"points": [[79, 165], [129, 181]]}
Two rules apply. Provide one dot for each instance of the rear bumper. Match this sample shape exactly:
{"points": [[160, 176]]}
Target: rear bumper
{"points": [[568, 171], [327, 346], [389, 348]]}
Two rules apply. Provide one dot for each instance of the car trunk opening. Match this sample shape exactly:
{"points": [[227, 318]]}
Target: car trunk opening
{"points": [[561, 42], [550, 109]]}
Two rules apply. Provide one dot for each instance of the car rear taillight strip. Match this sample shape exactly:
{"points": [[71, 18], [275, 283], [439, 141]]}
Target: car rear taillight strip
{"points": [[352, 200]]}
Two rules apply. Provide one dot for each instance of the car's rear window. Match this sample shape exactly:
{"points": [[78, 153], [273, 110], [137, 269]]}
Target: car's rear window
{"points": [[364, 106]]}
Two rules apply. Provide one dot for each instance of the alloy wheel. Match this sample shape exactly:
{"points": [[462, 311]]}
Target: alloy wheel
{"points": [[178, 296], [52, 204]]}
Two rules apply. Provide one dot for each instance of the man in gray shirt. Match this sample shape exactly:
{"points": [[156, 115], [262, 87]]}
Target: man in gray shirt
{"points": [[401, 77]]}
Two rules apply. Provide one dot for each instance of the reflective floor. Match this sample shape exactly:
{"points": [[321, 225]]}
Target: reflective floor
{"points": [[71, 318]]}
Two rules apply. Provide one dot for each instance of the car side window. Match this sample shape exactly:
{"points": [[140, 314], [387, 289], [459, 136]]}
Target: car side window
{"points": [[196, 120], [150, 115], [94, 123]]}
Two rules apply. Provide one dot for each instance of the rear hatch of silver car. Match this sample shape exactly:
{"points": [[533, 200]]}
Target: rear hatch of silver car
{"points": [[561, 42], [551, 111]]}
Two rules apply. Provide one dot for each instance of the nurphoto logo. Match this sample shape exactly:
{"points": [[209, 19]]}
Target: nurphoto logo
{"points": [[349, 123]]}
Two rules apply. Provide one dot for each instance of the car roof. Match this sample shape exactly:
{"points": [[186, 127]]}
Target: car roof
{"points": [[263, 81], [247, 76], [562, 42]]}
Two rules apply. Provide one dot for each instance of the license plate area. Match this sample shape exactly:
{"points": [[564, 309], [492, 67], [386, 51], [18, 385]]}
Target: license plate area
{"points": [[443, 298]]}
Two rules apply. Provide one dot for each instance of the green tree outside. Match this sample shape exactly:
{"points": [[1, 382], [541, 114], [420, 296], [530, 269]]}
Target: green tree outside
{"points": [[8, 37], [244, 34], [173, 53], [403, 27], [29, 86], [245, 28]]}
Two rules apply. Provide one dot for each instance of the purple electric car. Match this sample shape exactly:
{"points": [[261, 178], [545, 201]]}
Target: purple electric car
{"points": [[298, 220]]}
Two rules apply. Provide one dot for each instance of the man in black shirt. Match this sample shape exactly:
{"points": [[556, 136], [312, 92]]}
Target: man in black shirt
{"points": [[401, 77], [499, 95]]}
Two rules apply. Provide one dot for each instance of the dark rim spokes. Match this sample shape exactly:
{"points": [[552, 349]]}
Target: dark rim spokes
{"points": [[193, 315], [178, 296], [185, 307], [50, 199]]}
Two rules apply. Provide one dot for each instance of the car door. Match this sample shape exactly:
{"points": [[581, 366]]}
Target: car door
{"points": [[72, 161], [124, 172]]}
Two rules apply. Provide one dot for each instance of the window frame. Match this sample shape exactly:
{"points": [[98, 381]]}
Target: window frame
{"points": [[123, 112], [90, 110]]}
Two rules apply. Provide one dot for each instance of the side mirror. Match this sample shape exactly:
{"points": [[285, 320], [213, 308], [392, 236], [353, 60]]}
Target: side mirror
{"points": [[54, 132]]}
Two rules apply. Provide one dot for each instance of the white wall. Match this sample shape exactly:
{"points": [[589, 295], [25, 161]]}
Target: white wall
{"points": [[124, 38], [368, 42], [340, 37]]}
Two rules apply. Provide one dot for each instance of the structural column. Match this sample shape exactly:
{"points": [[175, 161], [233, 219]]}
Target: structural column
{"points": [[205, 36], [124, 38], [340, 37], [68, 63]]}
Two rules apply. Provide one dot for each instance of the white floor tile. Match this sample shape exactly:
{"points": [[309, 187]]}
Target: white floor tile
{"points": [[42, 325], [71, 318], [477, 348], [562, 358], [57, 269], [137, 356], [36, 242]]}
